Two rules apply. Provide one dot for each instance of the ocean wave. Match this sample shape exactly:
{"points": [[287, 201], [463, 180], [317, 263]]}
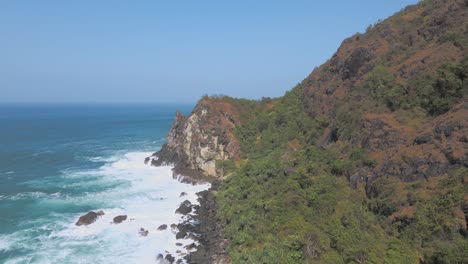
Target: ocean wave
{"points": [[26, 195], [148, 195]]}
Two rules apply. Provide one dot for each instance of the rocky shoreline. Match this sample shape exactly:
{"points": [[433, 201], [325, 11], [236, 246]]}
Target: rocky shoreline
{"points": [[212, 242], [200, 222]]}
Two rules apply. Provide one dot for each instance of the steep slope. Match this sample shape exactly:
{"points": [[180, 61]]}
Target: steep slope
{"points": [[365, 161]]}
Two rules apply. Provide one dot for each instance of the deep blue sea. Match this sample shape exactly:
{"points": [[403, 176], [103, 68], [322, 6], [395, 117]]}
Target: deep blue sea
{"points": [[59, 161]]}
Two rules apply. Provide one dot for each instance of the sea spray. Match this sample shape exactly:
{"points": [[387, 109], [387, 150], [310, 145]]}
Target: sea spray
{"points": [[148, 195]]}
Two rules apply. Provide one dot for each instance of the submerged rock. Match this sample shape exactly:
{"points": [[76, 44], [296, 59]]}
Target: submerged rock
{"points": [[88, 218], [162, 227], [119, 219], [143, 232], [159, 257]]}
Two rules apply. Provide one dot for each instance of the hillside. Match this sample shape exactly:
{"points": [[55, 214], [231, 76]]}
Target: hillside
{"points": [[364, 161]]}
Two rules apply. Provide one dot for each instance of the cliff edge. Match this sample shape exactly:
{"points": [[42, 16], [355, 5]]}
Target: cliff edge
{"points": [[198, 141]]}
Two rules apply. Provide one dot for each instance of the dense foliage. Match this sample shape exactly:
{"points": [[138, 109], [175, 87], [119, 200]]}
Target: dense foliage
{"points": [[290, 200]]}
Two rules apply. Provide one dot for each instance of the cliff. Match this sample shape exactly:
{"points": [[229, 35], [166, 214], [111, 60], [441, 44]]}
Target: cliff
{"points": [[364, 161], [197, 142]]}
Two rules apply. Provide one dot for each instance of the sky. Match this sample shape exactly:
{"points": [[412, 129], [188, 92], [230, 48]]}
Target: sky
{"points": [[170, 51]]}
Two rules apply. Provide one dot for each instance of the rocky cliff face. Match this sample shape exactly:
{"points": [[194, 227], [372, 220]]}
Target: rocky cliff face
{"points": [[197, 142]]}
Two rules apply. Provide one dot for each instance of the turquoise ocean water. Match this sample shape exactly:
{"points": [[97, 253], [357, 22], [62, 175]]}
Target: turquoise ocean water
{"points": [[57, 162]]}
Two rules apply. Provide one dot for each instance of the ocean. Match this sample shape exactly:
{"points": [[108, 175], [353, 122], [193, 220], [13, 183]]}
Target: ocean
{"points": [[58, 161]]}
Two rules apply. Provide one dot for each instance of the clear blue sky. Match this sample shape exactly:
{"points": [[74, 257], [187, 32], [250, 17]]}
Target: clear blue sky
{"points": [[170, 51]]}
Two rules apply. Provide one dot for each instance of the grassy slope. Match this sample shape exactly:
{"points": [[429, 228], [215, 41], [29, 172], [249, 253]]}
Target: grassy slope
{"points": [[289, 200]]}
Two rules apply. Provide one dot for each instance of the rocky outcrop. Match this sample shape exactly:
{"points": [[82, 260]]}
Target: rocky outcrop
{"points": [[380, 132], [119, 219], [196, 142], [143, 232], [89, 218], [184, 208], [162, 227], [437, 148]]}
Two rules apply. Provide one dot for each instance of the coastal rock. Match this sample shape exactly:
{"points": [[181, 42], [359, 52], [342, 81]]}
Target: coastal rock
{"points": [[119, 219], [170, 258], [213, 245], [100, 213], [191, 246], [181, 234], [88, 218], [160, 257], [184, 208], [143, 232], [182, 194], [197, 141], [162, 227]]}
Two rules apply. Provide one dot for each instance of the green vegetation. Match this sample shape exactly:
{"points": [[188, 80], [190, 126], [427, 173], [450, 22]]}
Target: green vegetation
{"points": [[436, 94], [290, 201], [290, 198]]}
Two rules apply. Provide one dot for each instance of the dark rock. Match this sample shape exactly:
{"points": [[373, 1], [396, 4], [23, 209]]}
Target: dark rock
{"points": [[330, 135], [184, 208], [379, 132], [162, 227], [358, 58], [119, 219], [182, 194], [143, 232], [100, 213], [190, 246], [213, 245], [178, 244], [173, 226], [181, 234], [87, 219], [170, 258]]}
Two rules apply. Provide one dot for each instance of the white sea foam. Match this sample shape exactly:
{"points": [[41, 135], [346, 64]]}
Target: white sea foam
{"points": [[26, 195], [148, 195]]}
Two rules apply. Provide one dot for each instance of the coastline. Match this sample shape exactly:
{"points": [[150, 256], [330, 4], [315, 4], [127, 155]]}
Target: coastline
{"points": [[212, 242], [199, 224]]}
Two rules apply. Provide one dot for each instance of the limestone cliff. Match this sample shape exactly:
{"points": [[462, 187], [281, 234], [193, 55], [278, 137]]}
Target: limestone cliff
{"points": [[198, 141]]}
